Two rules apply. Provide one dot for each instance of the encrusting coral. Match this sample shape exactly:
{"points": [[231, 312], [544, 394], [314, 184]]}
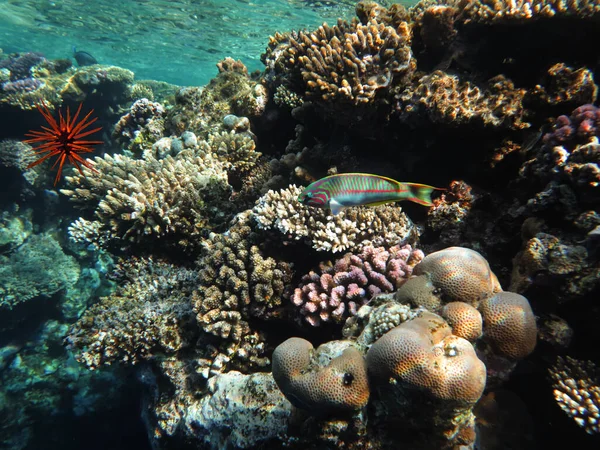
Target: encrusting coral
{"points": [[352, 229], [338, 290], [332, 378], [577, 391]]}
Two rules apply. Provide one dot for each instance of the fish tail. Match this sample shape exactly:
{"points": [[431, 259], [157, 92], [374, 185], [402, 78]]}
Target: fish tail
{"points": [[420, 193]]}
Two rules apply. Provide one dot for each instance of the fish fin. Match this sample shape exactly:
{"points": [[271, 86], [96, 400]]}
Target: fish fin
{"points": [[385, 202], [421, 193], [335, 207]]}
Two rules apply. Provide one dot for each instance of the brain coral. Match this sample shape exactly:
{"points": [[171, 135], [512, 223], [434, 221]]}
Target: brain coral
{"points": [[331, 379], [423, 354], [509, 324], [460, 273], [341, 288], [384, 225]]}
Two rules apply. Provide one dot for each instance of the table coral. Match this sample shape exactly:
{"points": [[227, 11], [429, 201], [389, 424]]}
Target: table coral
{"points": [[354, 228], [149, 314], [332, 378], [577, 391], [338, 290]]}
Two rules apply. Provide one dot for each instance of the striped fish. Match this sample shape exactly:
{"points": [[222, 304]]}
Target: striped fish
{"points": [[337, 192]]}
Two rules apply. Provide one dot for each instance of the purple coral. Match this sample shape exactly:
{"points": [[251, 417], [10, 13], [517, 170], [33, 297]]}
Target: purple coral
{"points": [[20, 65], [23, 85], [340, 289], [579, 128]]}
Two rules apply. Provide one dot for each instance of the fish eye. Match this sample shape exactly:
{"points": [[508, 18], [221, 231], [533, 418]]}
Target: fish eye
{"points": [[309, 195]]}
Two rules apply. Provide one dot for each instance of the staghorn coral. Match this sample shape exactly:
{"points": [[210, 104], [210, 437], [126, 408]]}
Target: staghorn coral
{"points": [[38, 267], [177, 198], [446, 99], [354, 228], [148, 315], [332, 378], [506, 11], [509, 325], [350, 63], [340, 289], [577, 391], [237, 281]]}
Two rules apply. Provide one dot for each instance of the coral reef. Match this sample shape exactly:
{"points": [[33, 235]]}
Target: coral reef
{"points": [[38, 267], [338, 290], [577, 391], [148, 314], [385, 225]]}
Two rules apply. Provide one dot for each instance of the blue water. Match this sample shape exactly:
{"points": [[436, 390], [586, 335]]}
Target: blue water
{"points": [[174, 41]]}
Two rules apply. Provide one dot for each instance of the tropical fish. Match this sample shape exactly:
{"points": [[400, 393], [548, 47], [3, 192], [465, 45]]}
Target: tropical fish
{"points": [[355, 189], [83, 58]]}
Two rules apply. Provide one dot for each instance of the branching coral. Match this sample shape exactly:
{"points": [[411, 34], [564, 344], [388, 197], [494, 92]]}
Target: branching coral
{"points": [[149, 314], [349, 62], [354, 228], [237, 281], [340, 289], [446, 99], [506, 11], [177, 198], [577, 391]]}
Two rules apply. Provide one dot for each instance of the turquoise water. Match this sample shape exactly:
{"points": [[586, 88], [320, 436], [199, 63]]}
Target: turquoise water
{"points": [[174, 41]]}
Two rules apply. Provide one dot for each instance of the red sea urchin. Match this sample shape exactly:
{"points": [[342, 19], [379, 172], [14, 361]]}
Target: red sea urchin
{"points": [[63, 139]]}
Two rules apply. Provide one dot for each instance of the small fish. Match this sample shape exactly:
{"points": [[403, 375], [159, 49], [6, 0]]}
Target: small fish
{"points": [[83, 58], [355, 189]]}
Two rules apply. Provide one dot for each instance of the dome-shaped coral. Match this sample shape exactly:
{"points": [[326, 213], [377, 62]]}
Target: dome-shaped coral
{"points": [[422, 353], [465, 320], [308, 383], [461, 274], [509, 324]]}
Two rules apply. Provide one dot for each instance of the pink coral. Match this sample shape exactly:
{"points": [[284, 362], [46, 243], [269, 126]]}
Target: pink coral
{"points": [[582, 125], [337, 290]]}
